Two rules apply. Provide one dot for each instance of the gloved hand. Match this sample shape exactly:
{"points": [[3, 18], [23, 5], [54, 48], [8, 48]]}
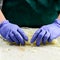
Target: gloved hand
{"points": [[47, 33], [12, 32]]}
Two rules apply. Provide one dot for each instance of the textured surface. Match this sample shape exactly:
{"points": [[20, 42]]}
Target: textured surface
{"points": [[30, 31], [13, 52]]}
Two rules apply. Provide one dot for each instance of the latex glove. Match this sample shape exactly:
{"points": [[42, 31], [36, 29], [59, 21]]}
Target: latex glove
{"points": [[47, 33], [12, 32]]}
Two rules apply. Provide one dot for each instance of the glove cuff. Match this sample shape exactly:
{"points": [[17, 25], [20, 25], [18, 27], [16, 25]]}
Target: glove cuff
{"points": [[4, 22], [57, 21]]}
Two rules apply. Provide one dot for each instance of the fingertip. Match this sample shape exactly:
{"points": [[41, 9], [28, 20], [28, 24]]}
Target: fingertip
{"points": [[32, 41], [23, 43], [26, 38], [44, 40], [18, 43], [44, 43], [37, 44], [35, 36], [49, 40]]}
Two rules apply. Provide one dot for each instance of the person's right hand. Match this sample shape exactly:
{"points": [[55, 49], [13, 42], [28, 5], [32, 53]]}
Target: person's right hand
{"points": [[12, 32]]}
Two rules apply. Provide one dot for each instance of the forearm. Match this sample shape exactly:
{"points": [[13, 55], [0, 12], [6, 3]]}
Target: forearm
{"points": [[2, 18], [58, 17]]}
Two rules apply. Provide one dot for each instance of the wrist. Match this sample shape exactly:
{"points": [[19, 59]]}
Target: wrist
{"points": [[57, 21], [2, 18], [3, 23]]}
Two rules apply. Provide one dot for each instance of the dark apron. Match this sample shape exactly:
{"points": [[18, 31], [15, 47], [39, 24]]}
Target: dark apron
{"points": [[30, 13]]}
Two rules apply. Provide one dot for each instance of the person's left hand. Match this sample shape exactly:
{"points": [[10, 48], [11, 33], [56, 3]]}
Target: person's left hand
{"points": [[47, 33]]}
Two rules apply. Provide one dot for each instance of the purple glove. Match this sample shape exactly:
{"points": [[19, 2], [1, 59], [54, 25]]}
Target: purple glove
{"points": [[12, 33], [47, 33]]}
